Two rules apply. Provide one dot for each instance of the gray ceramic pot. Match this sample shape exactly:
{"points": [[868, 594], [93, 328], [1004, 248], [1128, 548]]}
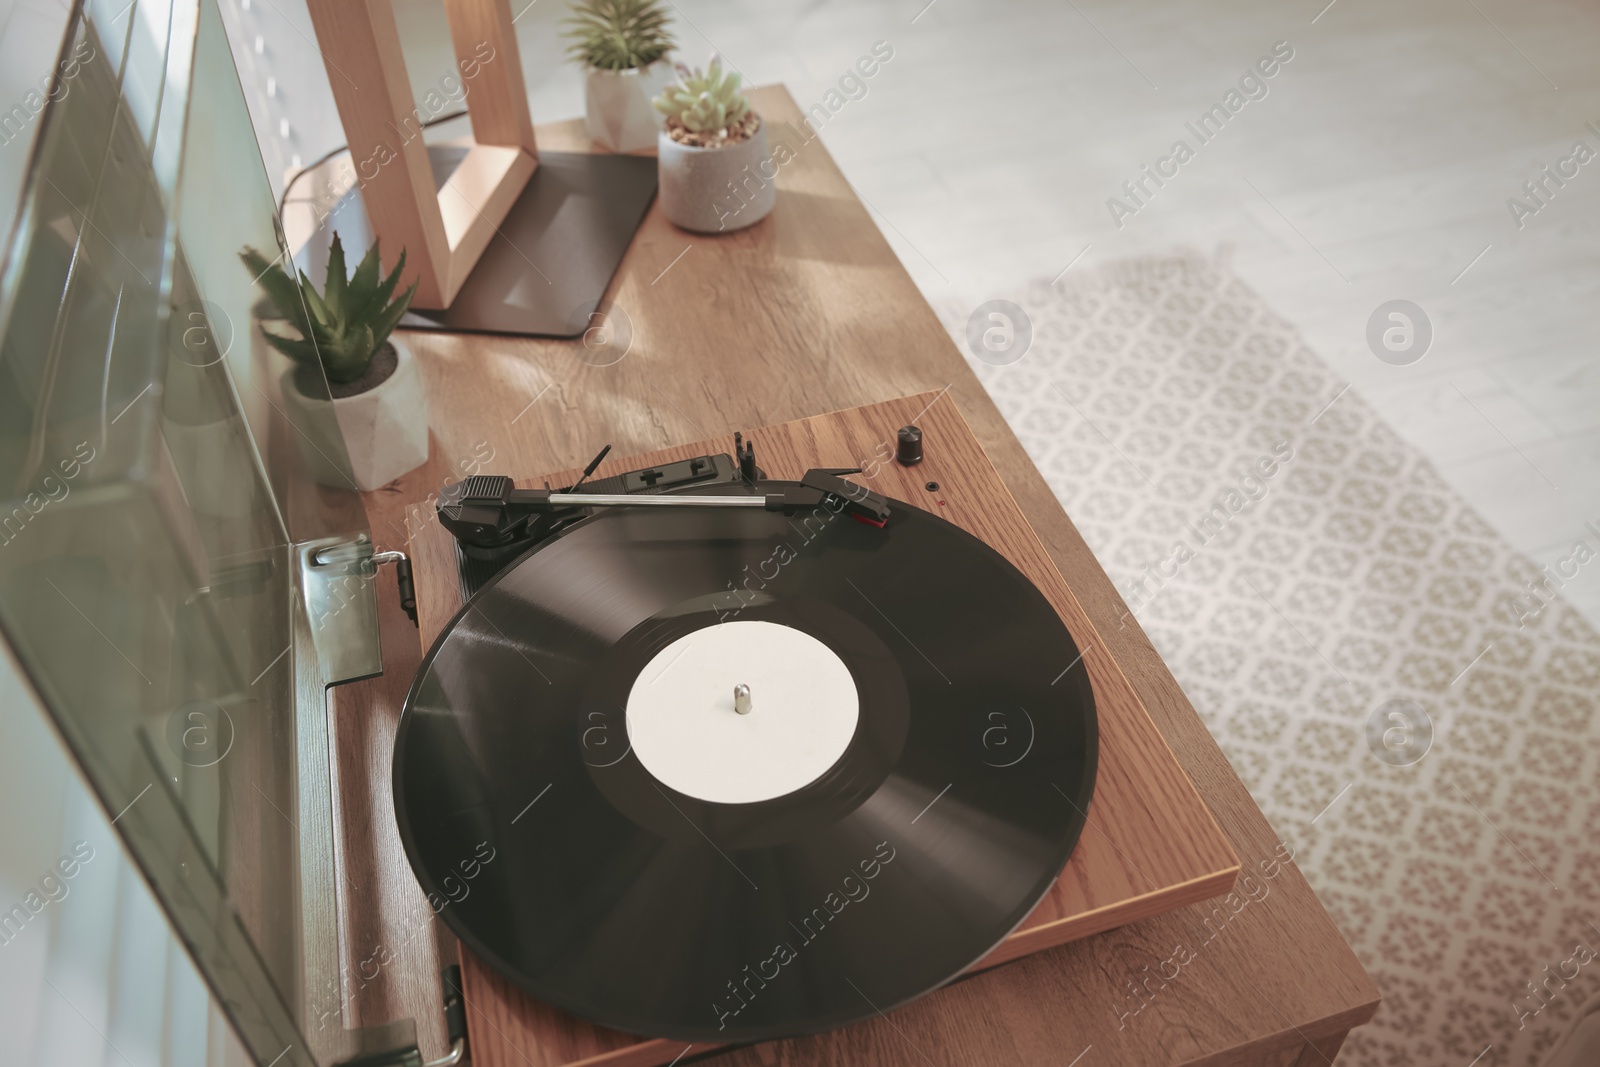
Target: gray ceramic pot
{"points": [[717, 190]]}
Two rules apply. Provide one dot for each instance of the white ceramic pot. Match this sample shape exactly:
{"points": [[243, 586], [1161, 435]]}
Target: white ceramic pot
{"points": [[385, 429], [717, 190], [617, 108]]}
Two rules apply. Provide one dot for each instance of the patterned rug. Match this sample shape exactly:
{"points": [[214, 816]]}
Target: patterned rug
{"points": [[1329, 604]]}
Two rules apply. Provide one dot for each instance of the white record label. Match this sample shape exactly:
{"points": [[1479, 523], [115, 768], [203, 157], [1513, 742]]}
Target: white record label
{"points": [[803, 712]]}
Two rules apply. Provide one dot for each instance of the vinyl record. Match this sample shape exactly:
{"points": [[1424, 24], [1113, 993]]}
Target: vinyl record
{"points": [[598, 816]]}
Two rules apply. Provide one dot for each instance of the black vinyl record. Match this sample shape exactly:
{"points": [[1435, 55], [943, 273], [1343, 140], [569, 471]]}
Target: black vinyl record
{"points": [[551, 851]]}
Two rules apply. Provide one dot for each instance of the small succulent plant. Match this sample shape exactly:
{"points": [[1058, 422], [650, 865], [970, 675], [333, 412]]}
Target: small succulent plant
{"points": [[704, 102], [345, 325], [618, 34]]}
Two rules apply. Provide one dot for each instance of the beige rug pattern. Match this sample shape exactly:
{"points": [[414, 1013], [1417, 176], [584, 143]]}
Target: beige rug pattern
{"points": [[1292, 606]]}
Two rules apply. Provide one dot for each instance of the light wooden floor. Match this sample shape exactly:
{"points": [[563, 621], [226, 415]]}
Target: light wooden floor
{"points": [[1377, 167]]}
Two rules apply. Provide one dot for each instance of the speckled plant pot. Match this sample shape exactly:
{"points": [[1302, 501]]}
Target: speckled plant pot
{"points": [[717, 190], [617, 110]]}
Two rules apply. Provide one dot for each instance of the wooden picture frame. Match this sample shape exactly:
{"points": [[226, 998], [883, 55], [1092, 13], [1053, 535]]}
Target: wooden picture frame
{"points": [[443, 226]]}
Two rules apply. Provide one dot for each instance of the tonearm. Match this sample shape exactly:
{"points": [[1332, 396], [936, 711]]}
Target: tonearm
{"points": [[487, 510]]}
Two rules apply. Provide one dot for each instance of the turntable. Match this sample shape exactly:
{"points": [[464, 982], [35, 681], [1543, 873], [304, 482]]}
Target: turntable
{"points": [[743, 740]]}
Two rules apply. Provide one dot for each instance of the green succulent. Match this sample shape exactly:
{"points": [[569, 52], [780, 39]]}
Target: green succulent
{"points": [[618, 34], [346, 324], [704, 101]]}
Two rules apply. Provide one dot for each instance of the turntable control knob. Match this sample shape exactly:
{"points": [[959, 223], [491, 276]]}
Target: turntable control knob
{"points": [[909, 450], [741, 699]]}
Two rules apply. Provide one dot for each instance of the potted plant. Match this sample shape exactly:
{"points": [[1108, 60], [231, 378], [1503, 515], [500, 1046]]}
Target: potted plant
{"points": [[622, 45], [716, 174], [375, 386]]}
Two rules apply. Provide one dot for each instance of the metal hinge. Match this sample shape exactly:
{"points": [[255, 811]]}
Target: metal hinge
{"points": [[336, 582], [455, 1018]]}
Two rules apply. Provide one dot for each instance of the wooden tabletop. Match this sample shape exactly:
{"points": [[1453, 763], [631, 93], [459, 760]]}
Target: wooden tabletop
{"points": [[809, 311]]}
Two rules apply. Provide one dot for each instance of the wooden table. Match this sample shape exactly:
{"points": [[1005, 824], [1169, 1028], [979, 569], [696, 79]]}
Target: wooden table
{"points": [[806, 312]]}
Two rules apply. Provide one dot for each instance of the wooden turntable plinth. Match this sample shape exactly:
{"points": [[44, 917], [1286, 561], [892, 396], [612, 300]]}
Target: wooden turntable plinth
{"points": [[1150, 844]]}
